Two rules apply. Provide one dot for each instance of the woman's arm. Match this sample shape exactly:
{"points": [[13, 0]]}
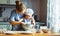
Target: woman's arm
{"points": [[14, 22], [17, 22], [12, 18]]}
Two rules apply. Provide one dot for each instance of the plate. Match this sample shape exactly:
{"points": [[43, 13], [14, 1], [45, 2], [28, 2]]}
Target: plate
{"points": [[15, 32]]}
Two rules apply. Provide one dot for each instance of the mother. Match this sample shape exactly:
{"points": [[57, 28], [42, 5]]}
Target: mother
{"points": [[16, 15]]}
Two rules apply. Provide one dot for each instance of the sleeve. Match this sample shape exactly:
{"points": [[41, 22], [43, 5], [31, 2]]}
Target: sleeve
{"points": [[12, 17]]}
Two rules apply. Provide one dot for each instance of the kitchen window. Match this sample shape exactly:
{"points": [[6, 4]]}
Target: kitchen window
{"points": [[53, 15]]}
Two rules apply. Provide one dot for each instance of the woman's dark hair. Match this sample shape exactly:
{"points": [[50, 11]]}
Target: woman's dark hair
{"points": [[17, 2]]}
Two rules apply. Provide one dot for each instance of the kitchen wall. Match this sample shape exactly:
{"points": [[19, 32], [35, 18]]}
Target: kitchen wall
{"points": [[43, 10], [6, 13]]}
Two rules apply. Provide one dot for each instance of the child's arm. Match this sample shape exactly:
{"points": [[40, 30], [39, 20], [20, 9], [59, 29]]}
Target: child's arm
{"points": [[33, 22]]}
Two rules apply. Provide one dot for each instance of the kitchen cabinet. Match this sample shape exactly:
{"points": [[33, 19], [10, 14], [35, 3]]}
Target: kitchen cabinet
{"points": [[3, 2], [12, 1], [7, 1]]}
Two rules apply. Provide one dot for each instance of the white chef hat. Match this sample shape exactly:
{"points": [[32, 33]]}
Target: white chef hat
{"points": [[29, 12]]}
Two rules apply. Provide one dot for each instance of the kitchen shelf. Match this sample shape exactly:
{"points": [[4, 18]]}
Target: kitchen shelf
{"points": [[7, 5]]}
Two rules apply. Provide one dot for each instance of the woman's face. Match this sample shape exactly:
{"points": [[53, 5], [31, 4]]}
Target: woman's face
{"points": [[22, 12]]}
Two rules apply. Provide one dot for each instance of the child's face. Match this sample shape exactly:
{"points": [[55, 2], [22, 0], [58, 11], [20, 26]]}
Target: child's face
{"points": [[27, 16]]}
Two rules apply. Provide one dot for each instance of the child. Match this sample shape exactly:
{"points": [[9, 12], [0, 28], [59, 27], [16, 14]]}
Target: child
{"points": [[28, 22]]}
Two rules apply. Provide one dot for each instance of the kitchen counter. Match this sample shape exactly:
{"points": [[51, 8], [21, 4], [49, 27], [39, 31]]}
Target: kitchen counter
{"points": [[37, 34], [9, 27], [4, 23]]}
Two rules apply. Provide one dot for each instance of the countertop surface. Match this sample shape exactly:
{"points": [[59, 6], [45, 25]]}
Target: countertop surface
{"points": [[4, 23], [36, 34]]}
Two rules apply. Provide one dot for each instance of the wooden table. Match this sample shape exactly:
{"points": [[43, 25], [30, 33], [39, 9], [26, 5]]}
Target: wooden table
{"points": [[37, 34]]}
